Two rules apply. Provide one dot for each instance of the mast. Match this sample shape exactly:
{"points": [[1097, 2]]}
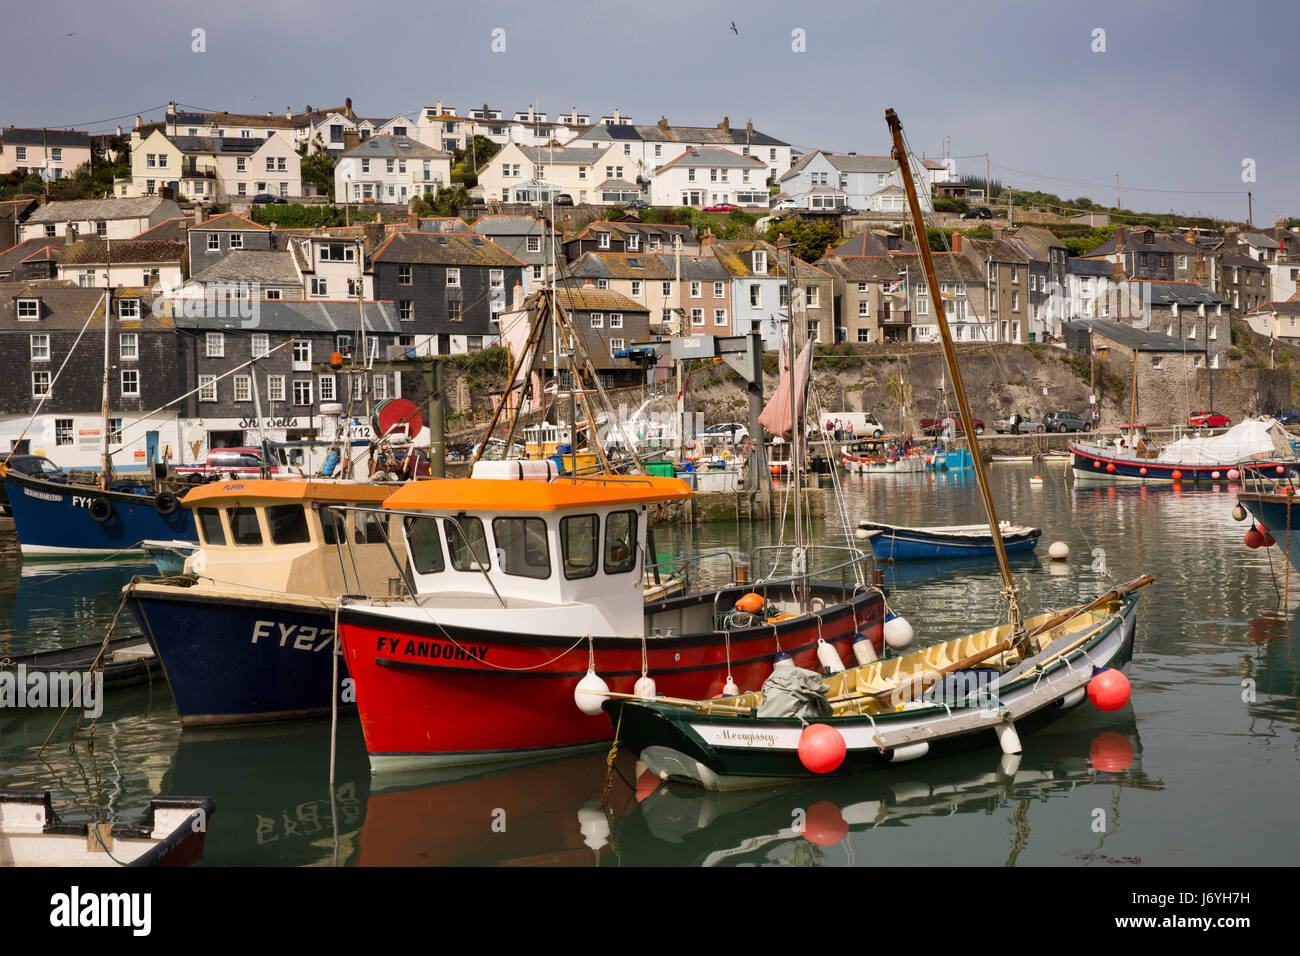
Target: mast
{"points": [[1133, 413], [681, 331], [106, 461], [981, 474], [796, 459]]}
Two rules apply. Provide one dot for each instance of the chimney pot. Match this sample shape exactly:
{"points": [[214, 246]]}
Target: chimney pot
{"points": [[956, 242]]}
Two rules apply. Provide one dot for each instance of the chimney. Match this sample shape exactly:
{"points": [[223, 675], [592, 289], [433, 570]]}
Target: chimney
{"points": [[119, 129], [566, 229], [347, 108], [139, 121], [1190, 235], [171, 108], [198, 213], [956, 242], [749, 127], [663, 124], [374, 236], [517, 297], [708, 239], [412, 219], [997, 232], [351, 139], [288, 112], [618, 117], [70, 234], [438, 106], [725, 125]]}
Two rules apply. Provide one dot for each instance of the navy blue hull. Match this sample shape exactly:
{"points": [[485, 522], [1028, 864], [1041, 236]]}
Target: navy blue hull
{"points": [[241, 660], [1090, 466], [56, 519], [1276, 514], [911, 546]]}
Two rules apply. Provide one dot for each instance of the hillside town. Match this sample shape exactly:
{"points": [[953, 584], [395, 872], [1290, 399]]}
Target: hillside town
{"points": [[221, 238]]}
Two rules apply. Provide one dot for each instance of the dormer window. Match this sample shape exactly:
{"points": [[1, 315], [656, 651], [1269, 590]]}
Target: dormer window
{"points": [[760, 262], [602, 240], [29, 309], [128, 308]]}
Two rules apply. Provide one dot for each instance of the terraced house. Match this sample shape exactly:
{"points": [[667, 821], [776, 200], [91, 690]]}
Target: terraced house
{"points": [[447, 288], [52, 153], [647, 147], [709, 176], [391, 169], [537, 173], [759, 292]]}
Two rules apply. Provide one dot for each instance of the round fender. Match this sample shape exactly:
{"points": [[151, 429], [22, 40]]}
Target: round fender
{"points": [[166, 503], [101, 509]]}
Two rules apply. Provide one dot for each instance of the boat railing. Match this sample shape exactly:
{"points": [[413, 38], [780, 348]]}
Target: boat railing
{"points": [[796, 582], [1270, 477], [687, 561], [400, 565]]}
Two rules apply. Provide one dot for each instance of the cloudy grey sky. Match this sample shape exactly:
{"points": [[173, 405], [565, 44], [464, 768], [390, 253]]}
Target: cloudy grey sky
{"points": [[1183, 93]]}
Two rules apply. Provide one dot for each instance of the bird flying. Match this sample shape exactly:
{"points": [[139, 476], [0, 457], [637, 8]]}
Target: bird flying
{"points": [[733, 28]]}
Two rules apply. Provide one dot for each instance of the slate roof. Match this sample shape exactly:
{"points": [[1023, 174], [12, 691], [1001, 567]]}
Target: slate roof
{"points": [[845, 163], [267, 267], [734, 254], [1258, 241], [863, 268], [167, 229], [443, 224], [1289, 307], [635, 227], [394, 147], [10, 257], [79, 209], [562, 155], [714, 157], [65, 138], [215, 145], [230, 220], [622, 265], [736, 136], [294, 315], [65, 307], [1180, 293], [871, 243], [1091, 267], [123, 251], [453, 249], [1129, 337], [1132, 243], [575, 298], [494, 225]]}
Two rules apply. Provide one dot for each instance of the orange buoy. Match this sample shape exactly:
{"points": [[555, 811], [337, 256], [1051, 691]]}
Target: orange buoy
{"points": [[1111, 466], [1109, 689], [821, 748], [1177, 475], [1254, 539], [750, 603]]}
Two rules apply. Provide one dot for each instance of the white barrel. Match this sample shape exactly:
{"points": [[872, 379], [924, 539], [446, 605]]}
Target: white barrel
{"points": [[909, 752], [864, 652], [590, 693], [1008, 739], [1072, 698], [645, 688]]}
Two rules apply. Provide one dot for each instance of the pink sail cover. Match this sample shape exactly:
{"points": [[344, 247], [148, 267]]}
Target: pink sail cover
{"points": [[776, 418]]}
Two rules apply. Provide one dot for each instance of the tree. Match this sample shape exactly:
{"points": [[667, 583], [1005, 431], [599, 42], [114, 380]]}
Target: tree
{"points": [[810, 239], [318, 168], [446, 202], [477, 155]]}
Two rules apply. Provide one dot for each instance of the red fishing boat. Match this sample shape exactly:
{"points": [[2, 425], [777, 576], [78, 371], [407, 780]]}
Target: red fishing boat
{"points": [[528, 604]]}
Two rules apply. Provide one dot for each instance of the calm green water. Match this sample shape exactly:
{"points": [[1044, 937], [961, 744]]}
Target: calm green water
{"points": [[1202, 764]]}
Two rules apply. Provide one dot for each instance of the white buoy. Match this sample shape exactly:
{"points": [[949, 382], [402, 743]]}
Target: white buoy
{"points": [[729, 689], [590, 693], [898, 633], [828, 657], [594, 825], [1238, 514], [1008, 739], [782, 659], [862, 533], [864, 652], [645, 688], [1059, 551]]}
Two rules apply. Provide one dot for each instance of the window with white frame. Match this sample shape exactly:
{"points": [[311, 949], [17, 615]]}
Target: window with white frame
{"points": [[616, 345], [667, 288], [236, 240], [29, 308], [602, 240], [243, 388], [261, 344], [302, 351], [379, 386], [40, 384], [534, 243], [755, 295], [215, 345], [695, 290], [40, 345], [636, 288], [598, 320], [207, 388], [760, 262], [358, 387], [128, 308], [406, 310], [864, 335], [602, 283], [719, 316], [497, 278], [616, 320], [64, 432], [275, 388], [814, 295], [718, 290], [453, 278], [697, 316], [864, 309], [319, 286], [214, 242], [302, 391], [130, 381], [128, 346], [325, 384]]}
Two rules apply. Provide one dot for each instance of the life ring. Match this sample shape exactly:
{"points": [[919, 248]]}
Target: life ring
{"points": [[166, 503], [694, 451], [101, 509]]}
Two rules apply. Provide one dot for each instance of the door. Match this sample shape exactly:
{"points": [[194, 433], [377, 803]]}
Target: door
{"points": [[150, 448]]}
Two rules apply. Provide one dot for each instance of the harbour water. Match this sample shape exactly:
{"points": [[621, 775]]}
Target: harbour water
{"points": [[1201, 768]]}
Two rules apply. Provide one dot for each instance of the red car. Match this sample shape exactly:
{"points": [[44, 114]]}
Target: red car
{"points": [[720, 207], [1208, 419]]}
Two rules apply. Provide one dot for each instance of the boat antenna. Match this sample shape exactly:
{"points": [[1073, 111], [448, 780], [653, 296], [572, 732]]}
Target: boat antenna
{"points": [[1016, 618]]}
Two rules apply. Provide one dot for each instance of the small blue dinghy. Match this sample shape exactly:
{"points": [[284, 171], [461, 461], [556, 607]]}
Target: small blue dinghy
{"points": [[897, 543]]}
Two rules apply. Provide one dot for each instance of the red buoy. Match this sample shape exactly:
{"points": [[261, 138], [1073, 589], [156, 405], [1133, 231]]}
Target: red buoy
{"points": [[821, 748], [1177, 474], [1142, 470], [1281, 470], [1111, 466], [1111, 752], [1109, 689], [1254, 539], [1096, 464], [825, 825]]}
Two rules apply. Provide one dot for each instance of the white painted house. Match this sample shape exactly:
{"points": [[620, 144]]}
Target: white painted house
{"points": [[864, 181], [391, 169], [528, 174], [648, 147], [707, 176]]}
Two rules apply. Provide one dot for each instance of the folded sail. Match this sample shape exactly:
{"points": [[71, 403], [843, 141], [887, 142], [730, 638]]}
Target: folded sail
{"points": [[776, 417]]}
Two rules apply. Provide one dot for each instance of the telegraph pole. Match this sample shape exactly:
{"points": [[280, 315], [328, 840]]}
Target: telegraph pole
{"points": [[1117, 205]]}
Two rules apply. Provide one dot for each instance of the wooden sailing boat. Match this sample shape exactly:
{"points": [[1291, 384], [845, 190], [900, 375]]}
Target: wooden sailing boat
{"points": [[1015, 677]]}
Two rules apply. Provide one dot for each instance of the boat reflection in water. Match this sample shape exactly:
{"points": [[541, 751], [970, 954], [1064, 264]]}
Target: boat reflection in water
{"points": [[679, 824]]}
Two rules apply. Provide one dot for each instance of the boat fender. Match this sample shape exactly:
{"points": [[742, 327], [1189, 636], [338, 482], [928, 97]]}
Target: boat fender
{"points": [[645, 688], [1238, 513], [590, 693], [1072, 698], [898, 632], [908, 752], [864, 652], [781, 659], [1008, 739], [828, 657], [729, 689], [593, 825], [101, 509], [166, 503], [750, 604]]}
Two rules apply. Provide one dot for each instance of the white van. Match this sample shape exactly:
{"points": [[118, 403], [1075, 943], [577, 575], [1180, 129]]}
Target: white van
{"points": [[865, 424]]}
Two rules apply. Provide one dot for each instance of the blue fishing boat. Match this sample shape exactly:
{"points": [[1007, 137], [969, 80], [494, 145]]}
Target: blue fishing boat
{"points": [[1196, 459], [58, 519], [898, 543], [247, 634], [169, 556], [952, 459], [1269, 494]]}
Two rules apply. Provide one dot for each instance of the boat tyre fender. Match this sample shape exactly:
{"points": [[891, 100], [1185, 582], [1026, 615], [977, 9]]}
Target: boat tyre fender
{"points": [[166, 503], [101, 509]]}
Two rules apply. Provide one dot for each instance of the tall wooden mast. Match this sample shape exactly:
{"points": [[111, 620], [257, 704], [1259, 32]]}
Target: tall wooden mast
{"points": [[1016, 618]]}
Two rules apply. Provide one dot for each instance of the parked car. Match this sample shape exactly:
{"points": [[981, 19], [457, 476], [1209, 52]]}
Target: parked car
{"points": [[638, 204], [235, 462], [733, 432], [934, 426], [848, 211], [1288, 416], [38, 466], [564, 199], [1208, 419], [1027, 426], [1066, 422], [721, 207], [786, 204], [979, 212], [270, 198]]}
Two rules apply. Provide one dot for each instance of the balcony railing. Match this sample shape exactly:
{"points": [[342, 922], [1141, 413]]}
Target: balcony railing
{"points": [[896, 317]]}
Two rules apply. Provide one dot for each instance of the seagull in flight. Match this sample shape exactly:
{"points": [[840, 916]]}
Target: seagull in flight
{"points": [[733, 28]]}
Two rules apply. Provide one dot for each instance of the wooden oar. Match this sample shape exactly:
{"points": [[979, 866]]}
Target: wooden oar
{"points": [[1119, 591], [707, 705]]}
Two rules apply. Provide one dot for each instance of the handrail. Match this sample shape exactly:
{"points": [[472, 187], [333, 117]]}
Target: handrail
{"points": [[694, 559]]}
